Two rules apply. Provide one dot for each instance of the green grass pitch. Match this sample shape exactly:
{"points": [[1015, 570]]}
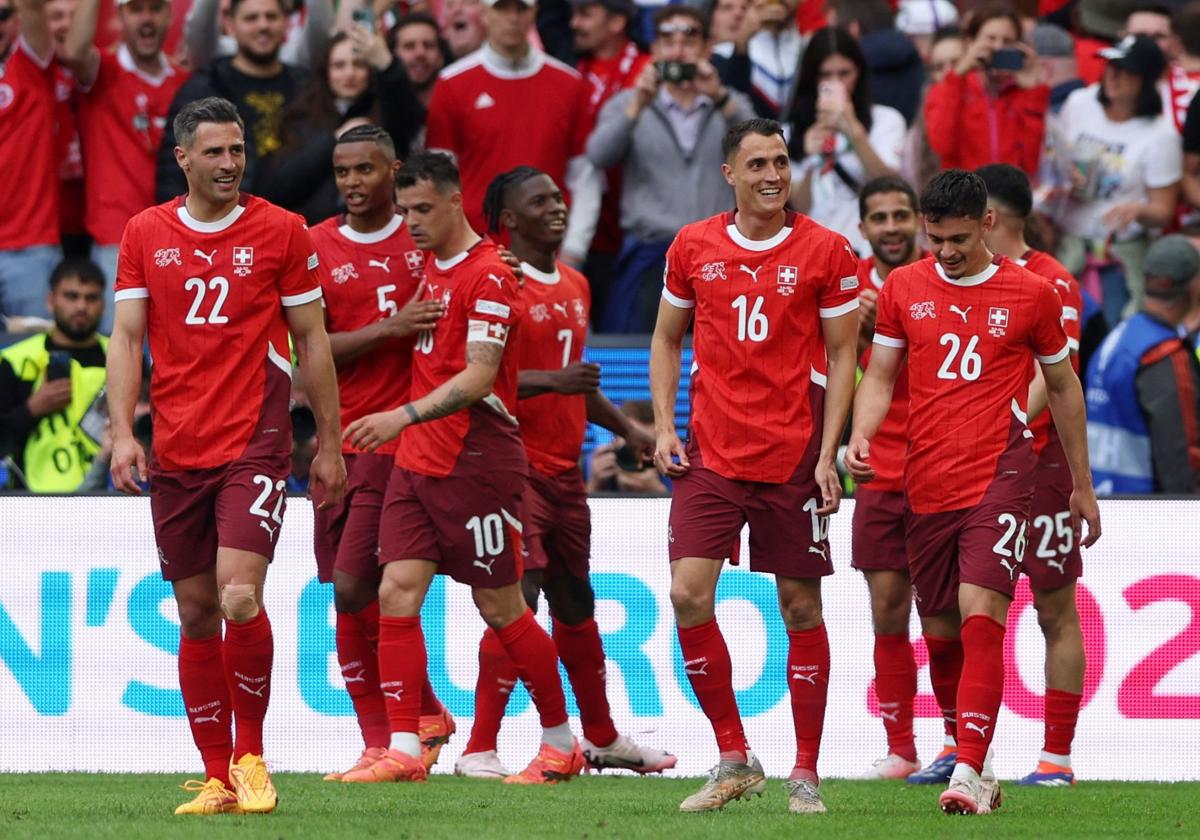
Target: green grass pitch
{"points": [[139, 806]]}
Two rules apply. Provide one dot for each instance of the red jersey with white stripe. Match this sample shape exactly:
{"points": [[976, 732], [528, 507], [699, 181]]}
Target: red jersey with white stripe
{"points": [[1067, 287], [493, 117], [552, 336], [121, 121], [216, 293], [29, 211], [890, 444], [483, 304], [970, 342], [1177, 89], [369, 277], [759, 306]]}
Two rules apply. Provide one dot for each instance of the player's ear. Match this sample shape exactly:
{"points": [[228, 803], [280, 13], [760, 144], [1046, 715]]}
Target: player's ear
{"points": [[181, 158], [727, 171], [508, 219], [989, 219]]}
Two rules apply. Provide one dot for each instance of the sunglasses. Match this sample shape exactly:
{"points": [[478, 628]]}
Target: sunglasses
{"points": [[5, 13], [686, 29]]}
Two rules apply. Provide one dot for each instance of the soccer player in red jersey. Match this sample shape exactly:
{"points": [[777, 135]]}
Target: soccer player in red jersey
{"points": [[559, 393], [773, 293], [888, 221], [217, 280], [509, 104], [971, 325], [373, 311], [454, 498], [123, 102], [1052, 559]]}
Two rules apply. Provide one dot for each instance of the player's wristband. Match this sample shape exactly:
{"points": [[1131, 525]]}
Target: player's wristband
{"points": [[412, 413]]}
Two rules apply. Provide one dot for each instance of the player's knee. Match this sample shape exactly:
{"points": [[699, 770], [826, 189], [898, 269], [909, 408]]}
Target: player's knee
{"points": [[693, 604], [199, 618], [801, 614], [238, 602], [571, 599], [499, 607], [531, 589], [1056, 617], [351, 595]]}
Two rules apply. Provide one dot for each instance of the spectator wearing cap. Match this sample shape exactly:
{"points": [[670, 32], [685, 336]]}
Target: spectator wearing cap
{"points": [[1125, 165], [921, 20], [666, 134], [308, 30], [985, 111], [1143, 385], [762, 58], [1182, 78], [894, 65], [1056, 55]]}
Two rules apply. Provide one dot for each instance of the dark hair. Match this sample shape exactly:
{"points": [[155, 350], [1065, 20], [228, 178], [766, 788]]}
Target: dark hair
{"points": [[1186, 25], [736, 133], [1150, 8], [870, 15], [1148, 102], [680, 10], [885, 184], [494, 201], [1009, 186], [233, 6], [210, 109], [946, 33], [955, 194], [435, 167], [86, 271], [991, 11], [315, 110], [369, 134], [830, 40], [421, 19]]}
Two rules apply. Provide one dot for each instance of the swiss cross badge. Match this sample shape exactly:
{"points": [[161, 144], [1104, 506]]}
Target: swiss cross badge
{"points": [[414, 260], [997, 320], [786, 279], [243, 260]]}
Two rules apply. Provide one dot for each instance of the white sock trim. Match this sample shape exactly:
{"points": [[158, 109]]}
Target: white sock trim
{"points": [[406, 742], [1060, 760], [559, 737]]}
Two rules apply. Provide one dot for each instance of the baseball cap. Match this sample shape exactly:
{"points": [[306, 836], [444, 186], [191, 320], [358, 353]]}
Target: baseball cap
{"points": [[925, 17], [490, 3], [1052, 41], [1136, 54], [1170, 266], [617, 7]]}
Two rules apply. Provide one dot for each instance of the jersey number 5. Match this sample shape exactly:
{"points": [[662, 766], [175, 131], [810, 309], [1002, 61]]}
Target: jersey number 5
{"points": [[218, 286]]}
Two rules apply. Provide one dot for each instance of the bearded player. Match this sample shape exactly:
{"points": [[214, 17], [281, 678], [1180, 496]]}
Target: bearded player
{"points": [[773, 293], [559, 393], [971, 325], [216, 280], [454, 498], [373, 311]]}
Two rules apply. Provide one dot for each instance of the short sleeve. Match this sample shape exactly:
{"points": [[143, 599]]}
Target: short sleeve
{"points": [[439, 122], [678, 289], [131, 273], [492, 305], [838, 293], [300, 279], [889, 327], [1048, 338], [1164, 156]]}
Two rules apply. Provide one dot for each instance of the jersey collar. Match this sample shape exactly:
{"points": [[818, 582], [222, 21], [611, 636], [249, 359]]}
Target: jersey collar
{"points": [[971, 279], [374, 236], [125, 59], [538, 276], [505, 68], [209, 227], [758, 244]]}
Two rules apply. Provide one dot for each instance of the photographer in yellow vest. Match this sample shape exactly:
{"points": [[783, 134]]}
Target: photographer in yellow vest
{"points": [[52, 404]]}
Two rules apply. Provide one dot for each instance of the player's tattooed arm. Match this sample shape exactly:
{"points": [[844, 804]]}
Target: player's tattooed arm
{"points": [[464, 389], [456, 400]]}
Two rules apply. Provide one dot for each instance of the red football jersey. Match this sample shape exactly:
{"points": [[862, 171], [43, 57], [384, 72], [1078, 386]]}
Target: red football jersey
{"points": [[1067, 287], [493, 118], [216, 293], [970, 344], [757, 333], [67, 153], [890, 444], [368, 277], [27, 147], [551, 337], [483, 304], [121, 121]]}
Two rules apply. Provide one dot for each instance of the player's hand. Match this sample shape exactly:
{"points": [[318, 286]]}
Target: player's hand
{"points": [[858, 454], [327, 479], [514, 264], [667, 449], [370, 46], [979, 55], [1085, 507], [374, 430], [814, 139], [415, 317], [830, 485], [867, 309], [54, 395], [602, 466], [641, 441], [707, 81], [577, 378], [644, 90], [128, 465], [1121, 216], [770, 13]]}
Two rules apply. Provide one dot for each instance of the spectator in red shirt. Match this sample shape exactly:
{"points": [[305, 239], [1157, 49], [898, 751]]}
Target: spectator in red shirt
{"points": [[66, 136], [978, 114]]}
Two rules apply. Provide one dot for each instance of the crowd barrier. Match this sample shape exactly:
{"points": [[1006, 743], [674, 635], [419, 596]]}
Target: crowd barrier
{"points": [[88, 637]]}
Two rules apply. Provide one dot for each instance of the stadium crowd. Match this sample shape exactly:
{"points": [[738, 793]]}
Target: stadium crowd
{"points": [[624, 105]]}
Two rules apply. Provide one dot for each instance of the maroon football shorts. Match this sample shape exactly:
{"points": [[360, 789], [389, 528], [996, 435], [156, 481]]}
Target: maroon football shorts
{"points": [[346, 536], [981, 545], [237, 505], [558, 523], [468, 525], [877, 531], [1052, 557]]}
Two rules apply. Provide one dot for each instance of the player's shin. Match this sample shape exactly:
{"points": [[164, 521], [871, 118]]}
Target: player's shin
{"points": [[497, 679], [981, 688], [945, 671], [1061, 714], [709, 670], [402, 663], [249, 651], [206, 700], [896, 687], [536, 660], [357, 639], [582, 654], [808, 685]]}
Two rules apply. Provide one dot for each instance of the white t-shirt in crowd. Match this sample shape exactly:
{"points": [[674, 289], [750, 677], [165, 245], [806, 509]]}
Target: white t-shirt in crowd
{"points": [[1130, 157], [834, 202]]}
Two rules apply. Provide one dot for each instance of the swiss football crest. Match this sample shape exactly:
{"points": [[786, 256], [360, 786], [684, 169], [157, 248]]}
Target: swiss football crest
{"points": [[539, 313], [786, 279], [414, 260], [997, 321], [712, 271], [922, 309], [164, 257], [344, 273], [243, 260], [580, 311]]}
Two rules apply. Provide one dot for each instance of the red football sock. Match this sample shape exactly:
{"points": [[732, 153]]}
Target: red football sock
{"points": [[402, 662], [497, 679], [206, 699], [710, 672], [808, 684], [945, 670], [533, 654], [430, 704], [896, 686], [582, 654], [981, 688], [1062, 713], [249, 651], [357, 639]]}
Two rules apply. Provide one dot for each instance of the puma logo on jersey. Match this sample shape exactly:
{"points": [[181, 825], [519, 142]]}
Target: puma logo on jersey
{"points": [[208, 258], [1063, 283], [484, 100], [752, 272], [982, 730], [360, 677], [960, 312], [378, 264], [270, 531], [1012, 568], [499, 281], [487, 567], [818, 549], [560, 308]]}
